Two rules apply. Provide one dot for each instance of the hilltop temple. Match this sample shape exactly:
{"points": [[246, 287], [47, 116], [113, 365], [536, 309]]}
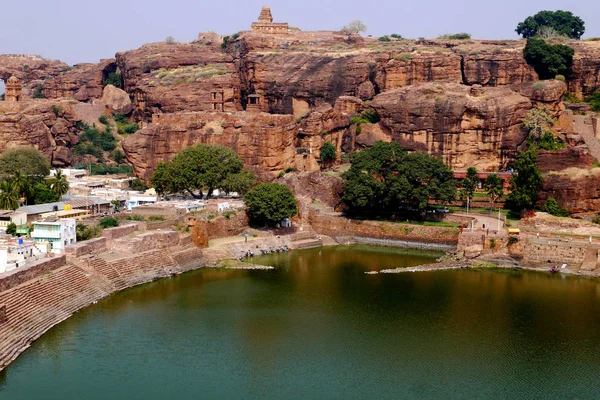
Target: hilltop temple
{"points": [[13, 90], [265, 24]]}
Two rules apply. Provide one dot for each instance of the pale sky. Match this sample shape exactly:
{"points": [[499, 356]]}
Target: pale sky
{"points": [[84, 31]]}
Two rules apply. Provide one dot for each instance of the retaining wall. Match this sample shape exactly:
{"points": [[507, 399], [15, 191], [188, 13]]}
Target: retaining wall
{"points": [[340, 226]]}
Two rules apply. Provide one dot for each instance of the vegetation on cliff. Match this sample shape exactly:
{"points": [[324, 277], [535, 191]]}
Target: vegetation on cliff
{"points": [[270, 203], [525, 184], [202, 167], [562, 22], [548, 60], [385, 178]]}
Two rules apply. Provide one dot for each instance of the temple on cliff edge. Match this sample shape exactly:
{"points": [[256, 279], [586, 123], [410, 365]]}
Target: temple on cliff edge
{"points": [[265, 24]]}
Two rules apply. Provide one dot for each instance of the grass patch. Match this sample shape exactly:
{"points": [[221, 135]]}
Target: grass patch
{"points": [[189, 74]]}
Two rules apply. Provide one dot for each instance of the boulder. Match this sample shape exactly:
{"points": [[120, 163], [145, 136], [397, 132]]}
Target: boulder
{"points": [[116, 100]]}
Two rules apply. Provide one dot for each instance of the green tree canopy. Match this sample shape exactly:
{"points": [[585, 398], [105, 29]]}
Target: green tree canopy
{"points": [[44, 194], [385, 177], [563, 22], [240, 183], [548, 60], [526, 183], [469, 184], [9, 197], [202, 167], [328, 153], [27, 161], [494, 188], [59, 184], [270, 203]]}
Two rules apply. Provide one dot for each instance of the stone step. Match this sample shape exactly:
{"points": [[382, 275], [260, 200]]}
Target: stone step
{"points": [[307, 244]]}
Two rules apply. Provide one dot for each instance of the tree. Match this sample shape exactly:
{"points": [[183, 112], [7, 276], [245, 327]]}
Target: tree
{"points": [[43, 193], [537, 121], [138, 185], [524, 186], [202, 167], [494, 188], [328, 153], [11, 228], [108, 222], [384, 177], [240, 183], [551, 207], [170, 40], [354, 27], [59, 184], [563, 22], [26, 160], [469, 184], [548, 60], [9, 198], [22, 184], [270, 203], [115, 79]]}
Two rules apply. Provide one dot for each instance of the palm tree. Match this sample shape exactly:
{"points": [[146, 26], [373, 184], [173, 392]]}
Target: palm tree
{"points": [[22, 185], [59, 184], [9, 197]]}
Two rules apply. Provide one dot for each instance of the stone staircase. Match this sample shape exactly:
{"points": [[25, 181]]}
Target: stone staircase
{"points": [[305, 240], [590, 262], [583, 125]]}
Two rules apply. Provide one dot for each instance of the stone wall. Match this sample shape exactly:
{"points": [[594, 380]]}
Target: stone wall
{"points": [[18, 276], [141, 243], [340, 226], [119, 231], [92, 246], [553, 253]]}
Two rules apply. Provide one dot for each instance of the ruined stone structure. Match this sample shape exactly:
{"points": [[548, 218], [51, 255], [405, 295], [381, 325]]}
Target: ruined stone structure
{"points": [[265, 24], [254, 103], [218, 100], [13, 90]]}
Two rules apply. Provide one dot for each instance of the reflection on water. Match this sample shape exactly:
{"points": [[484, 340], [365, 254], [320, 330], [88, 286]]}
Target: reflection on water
{"points": [[318, 327]]}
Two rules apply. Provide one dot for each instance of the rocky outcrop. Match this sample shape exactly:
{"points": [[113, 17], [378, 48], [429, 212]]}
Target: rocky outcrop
{"points": [[30, 69], [466, 126], [46, 125], [576, 190], [264, 142], [116, 100], [315, 185], [82, 82]]}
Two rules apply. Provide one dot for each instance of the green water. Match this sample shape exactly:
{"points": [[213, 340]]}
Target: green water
{"points": [[319, 328]]}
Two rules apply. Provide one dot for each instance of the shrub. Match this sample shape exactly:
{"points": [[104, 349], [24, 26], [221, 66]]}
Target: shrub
{"points": [[115, 79], [513, 240], [85, 232], [594, 101], [225, 42], [38, 93], [328, 153], [538, 85], [57, 110], [118, 156], [596, 219], [135, 218], [11, 228], [108, 222], [549, 142], [103, 169], [353, 28], [138, 185], [396, 36], [548, 60], [156, 218], [385, 39], [560, 78], [121, 118], [103, 120], [492, 243], [551, 207], [403, 57], [456, 36], [170, 40]]}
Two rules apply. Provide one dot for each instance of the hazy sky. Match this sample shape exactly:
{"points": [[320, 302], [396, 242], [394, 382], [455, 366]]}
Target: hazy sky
{"points": [[84, 31]]}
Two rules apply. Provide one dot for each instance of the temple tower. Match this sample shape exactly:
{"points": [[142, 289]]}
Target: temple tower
{"points": [[265, 16], [14, 90], [265, 24]]}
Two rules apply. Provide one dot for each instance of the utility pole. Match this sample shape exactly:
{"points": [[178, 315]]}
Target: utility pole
{"points": [[468, 200], [498, 220]]}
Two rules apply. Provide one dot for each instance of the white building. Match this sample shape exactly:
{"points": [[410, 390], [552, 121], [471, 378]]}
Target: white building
{"points": [[58, 233], [17, 252], [136, 200]]}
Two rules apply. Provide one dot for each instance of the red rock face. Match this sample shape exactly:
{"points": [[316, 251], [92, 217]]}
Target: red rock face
{"points": [[36, 123], [575, 194], [481, 130], [31, 70], [264, 142], [82, 82]]}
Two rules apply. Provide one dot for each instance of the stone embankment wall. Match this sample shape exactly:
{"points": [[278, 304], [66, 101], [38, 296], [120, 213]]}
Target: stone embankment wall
{"points": [[571, 253], [39, 297], [339, 226]]}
